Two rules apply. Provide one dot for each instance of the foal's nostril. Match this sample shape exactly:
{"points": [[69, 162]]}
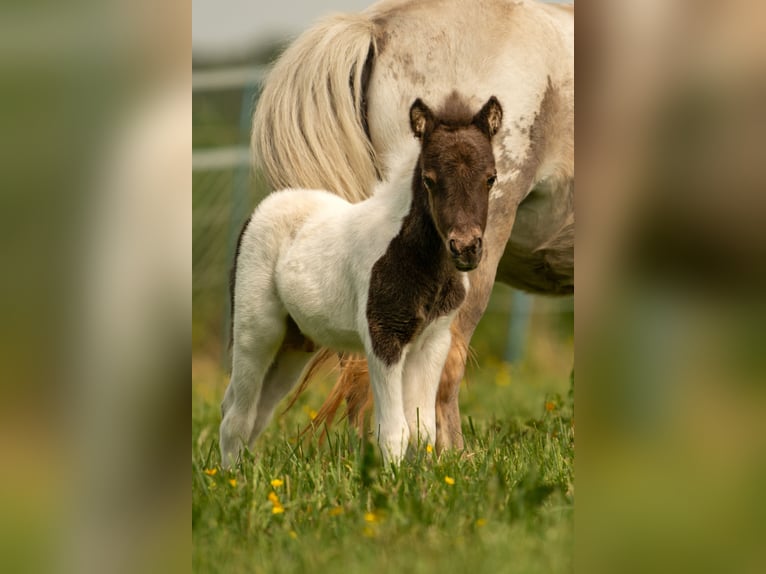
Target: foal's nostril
{"points": [[453, 247], [478, 244]]}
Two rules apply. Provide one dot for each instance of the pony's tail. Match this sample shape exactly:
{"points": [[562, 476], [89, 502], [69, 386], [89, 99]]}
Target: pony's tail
{"points": [[310, 125], [352, 386]]}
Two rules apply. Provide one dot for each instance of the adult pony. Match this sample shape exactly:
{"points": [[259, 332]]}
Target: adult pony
{"points": [[308, 271], [334, 108]]}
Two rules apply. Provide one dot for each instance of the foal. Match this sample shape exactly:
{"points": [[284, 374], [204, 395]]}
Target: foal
{"points": [[384, 276]]}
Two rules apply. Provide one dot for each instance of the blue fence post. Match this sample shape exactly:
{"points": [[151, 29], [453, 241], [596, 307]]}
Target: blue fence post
{"points": [[518, 325]]}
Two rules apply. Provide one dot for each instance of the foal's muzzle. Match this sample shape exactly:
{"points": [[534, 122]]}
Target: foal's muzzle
{"points": [[466, 251]]}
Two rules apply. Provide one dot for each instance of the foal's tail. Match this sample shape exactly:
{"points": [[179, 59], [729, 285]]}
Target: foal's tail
{"points": [[310, 126]]}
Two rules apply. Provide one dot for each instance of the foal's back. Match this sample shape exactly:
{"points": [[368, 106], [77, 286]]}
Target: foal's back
{"points": [[323, 271]]}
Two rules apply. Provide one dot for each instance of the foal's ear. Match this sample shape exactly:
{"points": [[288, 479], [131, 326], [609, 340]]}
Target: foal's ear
{"points": [[421, 118], [489, 117]]}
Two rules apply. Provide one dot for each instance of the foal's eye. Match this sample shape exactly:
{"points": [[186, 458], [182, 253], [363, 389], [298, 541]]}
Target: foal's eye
{"points": [[428, 183], [491, 181]]}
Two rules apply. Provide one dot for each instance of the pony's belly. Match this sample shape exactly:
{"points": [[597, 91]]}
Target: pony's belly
{"points": [[325, 310], [327, 331], [339, 340]]}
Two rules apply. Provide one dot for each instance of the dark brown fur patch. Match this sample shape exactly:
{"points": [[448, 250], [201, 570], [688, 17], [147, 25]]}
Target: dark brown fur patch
{"points": [[416, 281], [413, 283]]}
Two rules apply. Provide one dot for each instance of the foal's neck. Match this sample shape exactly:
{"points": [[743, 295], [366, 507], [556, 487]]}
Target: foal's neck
{"points": [[412, 283], [419, 237]]}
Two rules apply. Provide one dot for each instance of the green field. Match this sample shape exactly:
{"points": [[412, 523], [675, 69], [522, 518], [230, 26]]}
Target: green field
{"points": [[503, 505], [510, 508]]}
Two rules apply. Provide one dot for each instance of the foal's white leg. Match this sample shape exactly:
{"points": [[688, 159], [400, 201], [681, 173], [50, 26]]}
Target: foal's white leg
{"points": [[422, 373], [257, 338], [390, 424]]}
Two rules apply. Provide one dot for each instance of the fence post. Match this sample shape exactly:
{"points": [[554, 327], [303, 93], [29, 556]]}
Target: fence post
{"points": [[518, 325], [241, 202]]}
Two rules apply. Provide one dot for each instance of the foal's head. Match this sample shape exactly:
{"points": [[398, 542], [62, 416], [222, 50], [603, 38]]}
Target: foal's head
{"points": [[457, 169]]}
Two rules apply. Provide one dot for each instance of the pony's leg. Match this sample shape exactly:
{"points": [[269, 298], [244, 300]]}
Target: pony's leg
{"points": [[257, 338], [421, 377], [392, 431], [449, 433], [296, 351]]}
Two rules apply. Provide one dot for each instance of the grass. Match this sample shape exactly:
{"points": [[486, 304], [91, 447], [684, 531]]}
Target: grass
{"points": [[503, 505], [510, 508]]}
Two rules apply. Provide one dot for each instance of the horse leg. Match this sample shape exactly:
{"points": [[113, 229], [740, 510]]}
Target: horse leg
{"points": [[391, 425], [448, 429], [421, 379], [293, 355], [449, 433], [258, 335]]}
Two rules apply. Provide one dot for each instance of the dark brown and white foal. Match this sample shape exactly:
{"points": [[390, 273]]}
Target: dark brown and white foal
{"points": [[384, 276]]}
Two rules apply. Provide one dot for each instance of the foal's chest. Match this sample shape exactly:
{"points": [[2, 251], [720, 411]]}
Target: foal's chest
{"points": [[403, 300]]}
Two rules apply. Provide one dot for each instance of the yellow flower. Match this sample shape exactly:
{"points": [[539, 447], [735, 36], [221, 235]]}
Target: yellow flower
{"points": [[368, 532], [336, 511], [276, 483], [276, 506], [449, 480], [370, 517], [233, 481], [549, 406], [480, 522], [211, 471], [429, 449], [293, 534]]}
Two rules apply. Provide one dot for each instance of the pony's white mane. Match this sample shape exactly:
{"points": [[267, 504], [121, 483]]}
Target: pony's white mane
{"points": [[334, 153]]}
